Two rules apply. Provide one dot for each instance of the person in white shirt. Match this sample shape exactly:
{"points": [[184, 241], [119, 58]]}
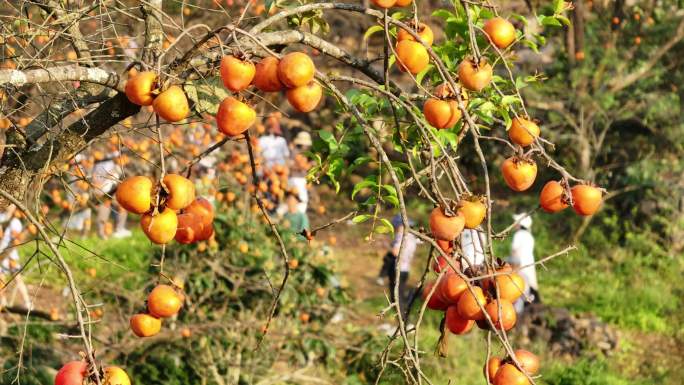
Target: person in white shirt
{"points": [[9, 256], [473, 246], [105, 177], [405, 256], [273, 146], [522, 256], [299, 167]]}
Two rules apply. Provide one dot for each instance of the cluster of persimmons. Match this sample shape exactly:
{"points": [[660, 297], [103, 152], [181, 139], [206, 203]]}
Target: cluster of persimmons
{"points": [[468, 303], [76, 373], [164, 301], [160, 204], [170, 210]]}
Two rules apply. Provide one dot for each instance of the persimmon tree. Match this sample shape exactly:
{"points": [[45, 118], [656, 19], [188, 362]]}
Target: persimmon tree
{"points": [[73, 80]]}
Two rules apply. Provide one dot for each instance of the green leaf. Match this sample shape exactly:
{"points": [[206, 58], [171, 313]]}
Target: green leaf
{"points": [[390, 189], [550, 21], [532, 45], [507, 117], [508, 100], [421, 74], [370, 31], [393, 200], [398, 15], [443, 13], [334, 171], [487, 107], [520, 18], [520, 83], [361, 218], [558, 6], [358, 162], [388, 225], [391, 61], [563, 19], [329, 138], [369, 182]]}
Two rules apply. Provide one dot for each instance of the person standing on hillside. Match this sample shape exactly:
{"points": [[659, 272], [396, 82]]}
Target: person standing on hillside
{"points": [[522, 257], [104, 180], [295, 218], [473, 247], [299, 167], [273, 146], [9, 256], [405, 256]]}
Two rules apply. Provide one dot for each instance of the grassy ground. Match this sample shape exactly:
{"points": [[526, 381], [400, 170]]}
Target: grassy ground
{"points": [[112, 259]]}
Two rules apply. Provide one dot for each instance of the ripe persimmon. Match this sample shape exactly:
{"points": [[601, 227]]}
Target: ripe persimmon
{"points": [[160, 228], [500, 31], [456, 323], [469, 304], [551, 198], [306, 97], [451, 287], [443, 263], [586, 199], [72, 373], [172, 104], [203, 209], [205, 233], [446, 246], [139, 88], [237, 74], [508, 374], [234, 117], [403, 3], [163, 301], [519, 173], [135, 194], [504, 319], [266, 77], [296, 69], [474, 211], [181, 191], [114, 375], [523, 131], [423, 30], [145, 325], [444, 227], [529, 362], [435, 302], [440, 113], [490, 369], [189, 226], [5, 123], [384, 3], [511, 285], [186, 333], [412, 56], [475, 77]]}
